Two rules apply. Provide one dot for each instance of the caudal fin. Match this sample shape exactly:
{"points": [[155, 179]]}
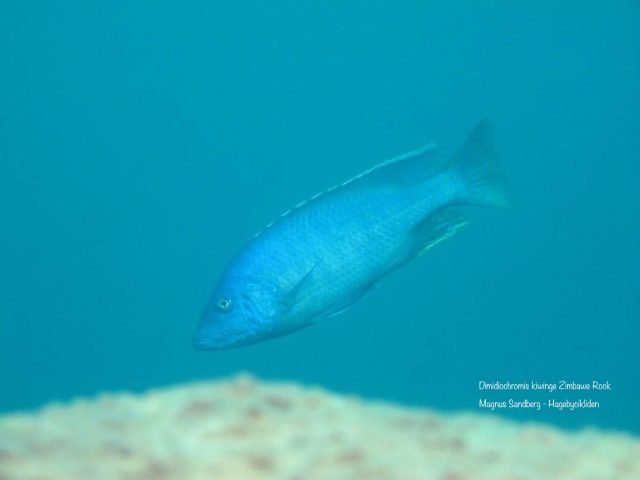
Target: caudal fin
{"points": [[476, 171]]}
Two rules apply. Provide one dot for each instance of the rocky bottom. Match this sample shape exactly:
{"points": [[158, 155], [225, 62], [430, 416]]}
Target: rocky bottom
{"points": [[243, 429]]}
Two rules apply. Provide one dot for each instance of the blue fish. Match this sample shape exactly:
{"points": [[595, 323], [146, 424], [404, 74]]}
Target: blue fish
{"points": [[322, 256]]}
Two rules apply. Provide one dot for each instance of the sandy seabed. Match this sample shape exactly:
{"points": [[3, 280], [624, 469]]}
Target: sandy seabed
{"points": [[243, 429]]}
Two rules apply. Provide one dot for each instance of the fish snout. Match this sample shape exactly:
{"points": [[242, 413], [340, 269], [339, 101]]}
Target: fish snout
{"points": [[203, 340]]}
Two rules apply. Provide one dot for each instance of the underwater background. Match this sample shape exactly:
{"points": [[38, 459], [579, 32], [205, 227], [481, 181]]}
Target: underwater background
{"points": [[141, 144]]}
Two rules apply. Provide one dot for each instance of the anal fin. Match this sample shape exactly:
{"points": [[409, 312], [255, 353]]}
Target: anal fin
{"points": [[438, 227]]}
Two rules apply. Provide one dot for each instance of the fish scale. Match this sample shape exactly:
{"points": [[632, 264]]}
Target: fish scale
{"points": [[323, 255]]}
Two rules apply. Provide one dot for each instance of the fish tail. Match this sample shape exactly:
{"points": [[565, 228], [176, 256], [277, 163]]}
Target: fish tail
{"points": [[475, 170]]}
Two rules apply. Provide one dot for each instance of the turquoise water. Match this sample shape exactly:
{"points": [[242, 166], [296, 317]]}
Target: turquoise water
{"points": [[141, 146]]}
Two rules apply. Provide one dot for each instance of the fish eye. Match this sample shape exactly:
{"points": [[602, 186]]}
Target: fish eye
{"points": [[224, 304]]}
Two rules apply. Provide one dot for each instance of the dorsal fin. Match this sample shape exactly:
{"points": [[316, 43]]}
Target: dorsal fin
{"points": [[404, 170]]}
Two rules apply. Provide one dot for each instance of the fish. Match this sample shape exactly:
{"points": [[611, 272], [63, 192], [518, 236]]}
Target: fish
{"points": [[324, 255]]}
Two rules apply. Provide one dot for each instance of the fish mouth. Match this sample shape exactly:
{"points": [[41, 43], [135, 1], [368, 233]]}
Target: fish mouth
{"points": [[206, 344], [203, 344], [204, 341]]}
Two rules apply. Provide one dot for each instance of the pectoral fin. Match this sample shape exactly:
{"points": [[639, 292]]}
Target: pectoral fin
{"points": [[299, 291], [437, 227]]}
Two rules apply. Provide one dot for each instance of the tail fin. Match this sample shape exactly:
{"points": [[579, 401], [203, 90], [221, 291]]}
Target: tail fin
{"points": [[475, 169]]}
